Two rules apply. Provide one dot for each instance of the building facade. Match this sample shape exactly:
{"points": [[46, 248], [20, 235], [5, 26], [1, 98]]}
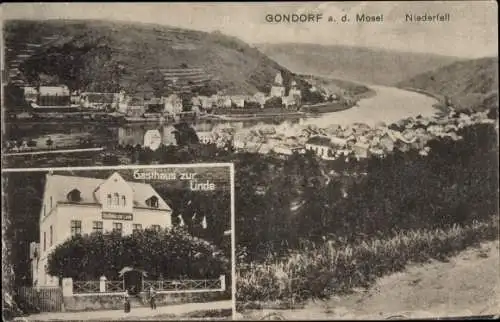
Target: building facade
{"points": [[79, 205], [277, 89], [172, 104], [48, 96]]}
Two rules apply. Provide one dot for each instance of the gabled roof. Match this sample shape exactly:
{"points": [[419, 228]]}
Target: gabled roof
{"points": [[319, 140], [54, 90], [59, 186]]}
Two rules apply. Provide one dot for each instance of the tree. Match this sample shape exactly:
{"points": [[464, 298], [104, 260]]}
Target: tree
{"points": [[274, 102]]}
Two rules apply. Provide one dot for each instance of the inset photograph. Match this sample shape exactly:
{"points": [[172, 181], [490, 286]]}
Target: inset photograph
{"points": [[136, 243]]}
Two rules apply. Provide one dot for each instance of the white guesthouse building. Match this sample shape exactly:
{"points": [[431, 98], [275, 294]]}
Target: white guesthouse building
{"points": [[78, 205]]}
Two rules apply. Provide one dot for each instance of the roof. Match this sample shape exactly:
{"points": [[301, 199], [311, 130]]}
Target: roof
{"points": [[61, 185], [54, 90], [319, 140]]}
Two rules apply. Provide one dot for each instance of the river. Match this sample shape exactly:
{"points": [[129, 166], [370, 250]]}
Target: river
{"points": [[389, 104]]}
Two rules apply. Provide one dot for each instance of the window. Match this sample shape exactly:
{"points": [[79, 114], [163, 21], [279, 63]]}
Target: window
{"points": [[51, 235], [109, 199], [117, 227], [44, 241], [152, 202], [51, 202], [156, 227], [136, 228], [74, 196], [76, 227], [97, 226], [116, 199], [124, 201]]}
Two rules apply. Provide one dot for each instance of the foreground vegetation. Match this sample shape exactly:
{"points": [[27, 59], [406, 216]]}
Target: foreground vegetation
{"points": [[319, 271], [170, 253]]}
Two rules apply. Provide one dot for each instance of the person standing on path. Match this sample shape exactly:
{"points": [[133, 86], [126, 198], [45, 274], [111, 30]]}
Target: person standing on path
{"points": [[152, 298], [126, 302]]}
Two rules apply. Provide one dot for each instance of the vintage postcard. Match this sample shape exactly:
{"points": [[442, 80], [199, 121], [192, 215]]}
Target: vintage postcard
{"points": [[363, 136], [114, 243]]}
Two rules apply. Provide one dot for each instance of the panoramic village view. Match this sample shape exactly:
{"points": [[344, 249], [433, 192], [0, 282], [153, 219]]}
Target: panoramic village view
{"points": [[366, 173]]}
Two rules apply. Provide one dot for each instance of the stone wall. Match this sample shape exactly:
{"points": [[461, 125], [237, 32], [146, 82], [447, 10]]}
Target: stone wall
{"points": [[115, 301]]}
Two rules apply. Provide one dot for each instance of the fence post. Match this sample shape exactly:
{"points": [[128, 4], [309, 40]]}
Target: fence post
{"points": [[222, 282], [67, 287], [102, 284]]}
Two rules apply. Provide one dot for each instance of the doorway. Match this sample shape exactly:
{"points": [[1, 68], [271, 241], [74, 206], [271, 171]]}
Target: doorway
{"points": [[133, 282]]}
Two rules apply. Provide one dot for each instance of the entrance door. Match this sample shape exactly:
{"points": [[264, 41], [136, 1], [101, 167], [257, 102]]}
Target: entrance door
{"points": [[133, 282]]}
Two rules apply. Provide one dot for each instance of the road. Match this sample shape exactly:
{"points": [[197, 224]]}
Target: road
{"points": [[388, 105], [467, 285], [169, 311]]}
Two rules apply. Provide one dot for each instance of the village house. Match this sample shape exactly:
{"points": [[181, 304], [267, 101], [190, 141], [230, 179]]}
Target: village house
{"points": [[260, 98], [172, 104], [169, 135], [238, 100], [206, 137], [287, 150], [288, 101], [320, 145], [196, 101], [48, 96], [100, 101], [154, 105], [75, 206], [30, 94], [277, 89], [205, 101], [130, 135], [135, 107], [325, 147], [152, 139], [294, 90]]}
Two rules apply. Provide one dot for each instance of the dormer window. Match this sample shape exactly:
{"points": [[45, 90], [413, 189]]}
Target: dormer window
{"points": [[73, 196], [152, 202]]}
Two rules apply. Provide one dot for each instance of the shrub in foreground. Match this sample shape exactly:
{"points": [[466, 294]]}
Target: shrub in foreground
{"points": [[318, 272], [171, 253]]}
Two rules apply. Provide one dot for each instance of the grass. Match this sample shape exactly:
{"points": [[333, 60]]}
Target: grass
{"points": [[320, 271]]}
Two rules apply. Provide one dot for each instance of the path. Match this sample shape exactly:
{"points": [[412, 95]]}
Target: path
{"points": [[469, 284], [136, 313]]}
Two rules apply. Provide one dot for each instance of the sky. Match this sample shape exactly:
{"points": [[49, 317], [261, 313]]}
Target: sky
{"points": [[472, 31]]}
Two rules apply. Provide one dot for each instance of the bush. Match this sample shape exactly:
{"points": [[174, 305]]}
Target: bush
{"points": [[172, 253]]}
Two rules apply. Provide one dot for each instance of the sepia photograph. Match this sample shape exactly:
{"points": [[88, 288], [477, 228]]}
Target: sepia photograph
{"points": [[363, 137], [109, 244]]}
